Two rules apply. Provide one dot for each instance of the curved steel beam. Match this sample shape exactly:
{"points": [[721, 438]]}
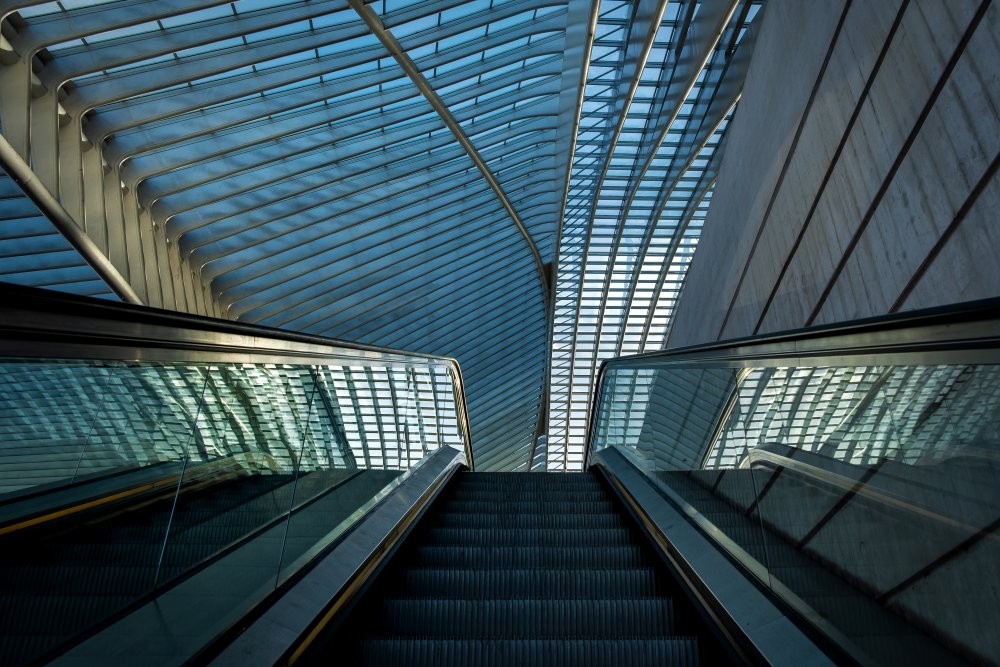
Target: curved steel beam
{"points": [[374, 24], [654, 220], [689, 82], [32, 186], [199, 122]]}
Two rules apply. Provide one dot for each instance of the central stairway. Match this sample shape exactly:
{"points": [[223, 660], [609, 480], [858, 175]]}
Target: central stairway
{"points": [[524, 569]]}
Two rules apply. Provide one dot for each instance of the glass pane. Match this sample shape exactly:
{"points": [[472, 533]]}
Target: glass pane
{"points": [[866, 494], [239, 481], [202, 484], [50, 411], [348, 461], [110, 443]]}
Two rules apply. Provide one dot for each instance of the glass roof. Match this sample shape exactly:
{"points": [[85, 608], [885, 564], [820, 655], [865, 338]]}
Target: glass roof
{"points": [[641, 182], [395, 172]]}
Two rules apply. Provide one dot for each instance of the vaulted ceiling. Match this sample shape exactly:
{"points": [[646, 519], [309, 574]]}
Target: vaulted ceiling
{"points": [[518, 184]]}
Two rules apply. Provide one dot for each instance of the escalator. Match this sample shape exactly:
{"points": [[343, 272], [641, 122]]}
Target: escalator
{"points": [[77, 571], [163, 475], [522, 569]]}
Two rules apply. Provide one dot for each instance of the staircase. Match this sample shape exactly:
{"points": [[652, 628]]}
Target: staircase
{"points": [[524, 569]]}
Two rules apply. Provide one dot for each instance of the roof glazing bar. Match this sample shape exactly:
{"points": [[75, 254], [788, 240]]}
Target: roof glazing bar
{"points": [[579, 81], [708, 44]]}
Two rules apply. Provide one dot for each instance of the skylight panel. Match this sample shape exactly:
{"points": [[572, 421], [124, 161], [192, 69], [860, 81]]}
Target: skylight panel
{"points": [[504, 48], [466, 37], [127, 31], [245, 6], [43, 10], [335, 19], [198, 16], [464, 9], [404, 30], [278, 32]]}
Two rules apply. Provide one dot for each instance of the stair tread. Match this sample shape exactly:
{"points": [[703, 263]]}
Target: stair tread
{"points": [[513, 583], [527, 618], [524, 569], [679, 651]]}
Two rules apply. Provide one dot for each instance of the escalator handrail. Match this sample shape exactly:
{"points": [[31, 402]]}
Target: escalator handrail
{"points": [[616, 463], [966, 333]]}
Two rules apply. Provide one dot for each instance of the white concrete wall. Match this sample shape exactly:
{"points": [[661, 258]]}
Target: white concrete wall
{"points": [[876, 193]]}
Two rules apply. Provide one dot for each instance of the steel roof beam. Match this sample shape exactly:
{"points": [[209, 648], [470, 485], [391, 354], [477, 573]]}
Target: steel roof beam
{"points": [[374, 24], [689, 78], [404, 146], [19, 170], [393, 198], [644, 23], [132, 113], [167, 132], [104, 55], [88, 20], [277, 140]]}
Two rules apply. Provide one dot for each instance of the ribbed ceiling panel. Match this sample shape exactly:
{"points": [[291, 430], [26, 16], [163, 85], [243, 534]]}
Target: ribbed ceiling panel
{"points": [[662, 84]]}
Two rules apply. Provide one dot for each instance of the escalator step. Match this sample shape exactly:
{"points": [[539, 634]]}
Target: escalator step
{"points": [[539, 520], [530, 619], [542, 537], [543, 495], [518, 478], [554, 507], [679, 652], [528, 557], [522, 570], [507, 583]]}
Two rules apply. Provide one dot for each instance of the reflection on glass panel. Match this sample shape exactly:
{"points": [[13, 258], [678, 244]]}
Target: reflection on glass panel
{"points": [[65, 421], [868, 494], [106, 440], [329, 498], [232, 488], [49, 412], [123, 479], [863, 414]]}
